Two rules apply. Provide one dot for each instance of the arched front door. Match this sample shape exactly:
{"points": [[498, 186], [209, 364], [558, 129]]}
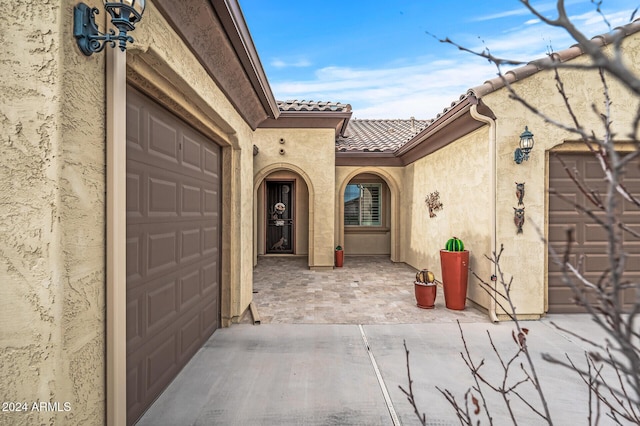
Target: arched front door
{"points": [[280, 220]]}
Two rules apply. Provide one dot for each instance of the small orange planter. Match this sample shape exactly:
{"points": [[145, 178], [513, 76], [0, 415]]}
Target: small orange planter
{"points": [[455, 273], [339, 258], [425, 295]]}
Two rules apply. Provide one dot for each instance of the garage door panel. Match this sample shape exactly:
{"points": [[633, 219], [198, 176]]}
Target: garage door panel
{"points": [[594, 234], [208, 315], [191, 200], [163, 139], [190, 334], [173, 237], [162, 307], [209, 273], [134, 139], [190, 289], [192, 154], [134, 194], [564, 205], [211, 162], [162, 253], [134, 322], [163, 196]]}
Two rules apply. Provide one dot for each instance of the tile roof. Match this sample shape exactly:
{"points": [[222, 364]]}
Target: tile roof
{"points": [[295, 105], [378, 135]]}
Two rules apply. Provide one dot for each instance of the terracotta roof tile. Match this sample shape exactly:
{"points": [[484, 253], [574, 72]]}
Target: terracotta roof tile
{"points": [[378, 135], [295, 105]]}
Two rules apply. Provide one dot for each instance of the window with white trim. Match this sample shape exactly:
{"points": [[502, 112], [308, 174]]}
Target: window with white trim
{"points": [[362, 204]]}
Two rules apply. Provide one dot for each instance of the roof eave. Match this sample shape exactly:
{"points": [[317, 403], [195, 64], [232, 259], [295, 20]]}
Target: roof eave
{"points": [[337, 120], [235, 25]]}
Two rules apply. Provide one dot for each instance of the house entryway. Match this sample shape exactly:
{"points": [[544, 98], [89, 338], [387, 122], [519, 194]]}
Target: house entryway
{"points": [[366, 290], [590, 247], [280, 216]]}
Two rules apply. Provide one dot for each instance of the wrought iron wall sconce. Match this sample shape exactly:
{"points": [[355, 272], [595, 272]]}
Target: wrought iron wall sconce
{"points": [[124, 15], [526, 145]]}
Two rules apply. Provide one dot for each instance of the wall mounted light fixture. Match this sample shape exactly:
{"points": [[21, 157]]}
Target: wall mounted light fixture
{"points": [[526, 145], [124, 15]]}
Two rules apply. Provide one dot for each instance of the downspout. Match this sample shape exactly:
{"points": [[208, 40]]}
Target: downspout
{"points": [[492, 165]]}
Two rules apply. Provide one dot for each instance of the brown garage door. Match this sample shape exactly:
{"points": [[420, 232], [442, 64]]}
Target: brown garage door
{"points": [[173, 220], [590, 237]]}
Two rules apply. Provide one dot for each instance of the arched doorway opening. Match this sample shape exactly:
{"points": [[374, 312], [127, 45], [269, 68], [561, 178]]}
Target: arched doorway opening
{"points": [[368, 213], [282, 214]]}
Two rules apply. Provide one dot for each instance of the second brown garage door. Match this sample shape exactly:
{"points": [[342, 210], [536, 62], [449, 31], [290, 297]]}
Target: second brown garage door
{"points": [[173, 233], [590, 238]]}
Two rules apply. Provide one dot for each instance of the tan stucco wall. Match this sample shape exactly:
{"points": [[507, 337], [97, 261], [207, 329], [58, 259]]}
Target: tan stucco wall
{"points": [[52, 236], [310, 153], [525, 255], [460, 173], [167, 70]]}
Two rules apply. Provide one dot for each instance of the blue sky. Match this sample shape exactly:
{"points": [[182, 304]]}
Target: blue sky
{"points": [[378, 55]]}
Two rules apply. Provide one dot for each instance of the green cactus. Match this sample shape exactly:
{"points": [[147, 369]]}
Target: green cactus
{"points": [[454, 244]]}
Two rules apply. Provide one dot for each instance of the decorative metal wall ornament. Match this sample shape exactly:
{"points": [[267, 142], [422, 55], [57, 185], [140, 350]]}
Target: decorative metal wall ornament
{"points": [[124, 15], [518, 218], [520, 193], [433, 203]]}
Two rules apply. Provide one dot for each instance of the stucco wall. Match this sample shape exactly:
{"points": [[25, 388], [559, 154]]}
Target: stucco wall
{"points": [[525, 255], [52, 207], [460, 173], [311, 154]]}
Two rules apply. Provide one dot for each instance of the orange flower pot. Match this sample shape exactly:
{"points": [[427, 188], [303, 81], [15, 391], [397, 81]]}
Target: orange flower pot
{"points": [[339, 258], [425, 295], [455, 274]]}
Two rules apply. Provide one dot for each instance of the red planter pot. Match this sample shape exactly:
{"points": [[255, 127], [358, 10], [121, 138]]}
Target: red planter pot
{"points": [[339, 258], [455, 273], [425, 295]]}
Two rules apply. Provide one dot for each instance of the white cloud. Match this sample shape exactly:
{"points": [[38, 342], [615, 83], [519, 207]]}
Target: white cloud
{"points": [[300, 63], [428, 85]]}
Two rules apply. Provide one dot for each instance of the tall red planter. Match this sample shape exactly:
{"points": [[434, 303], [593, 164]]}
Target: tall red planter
{"points": [[339, 258], [455, 274]]}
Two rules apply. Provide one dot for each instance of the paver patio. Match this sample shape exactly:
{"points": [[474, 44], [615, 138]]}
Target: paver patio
{"points": [[366, 290]]}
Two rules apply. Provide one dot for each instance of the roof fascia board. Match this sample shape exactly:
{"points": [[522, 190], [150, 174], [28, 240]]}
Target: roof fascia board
{"points": [[235, 25]]}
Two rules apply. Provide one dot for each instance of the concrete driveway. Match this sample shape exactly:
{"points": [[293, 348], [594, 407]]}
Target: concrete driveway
{"points": [[309, 372]]}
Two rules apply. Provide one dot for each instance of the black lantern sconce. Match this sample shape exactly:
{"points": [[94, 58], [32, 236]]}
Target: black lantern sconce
{"points": [[124, 15], [526, 145]]}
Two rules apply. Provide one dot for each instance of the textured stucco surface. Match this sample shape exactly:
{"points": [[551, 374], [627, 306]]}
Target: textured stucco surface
{"points": [[460, 174], [52, 205], [525, 254], [311, 154]]}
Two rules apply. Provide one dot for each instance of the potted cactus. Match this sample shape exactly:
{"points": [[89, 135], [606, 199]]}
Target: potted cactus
{"points": [[454, 260], [425, 289], [339, 257]]}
